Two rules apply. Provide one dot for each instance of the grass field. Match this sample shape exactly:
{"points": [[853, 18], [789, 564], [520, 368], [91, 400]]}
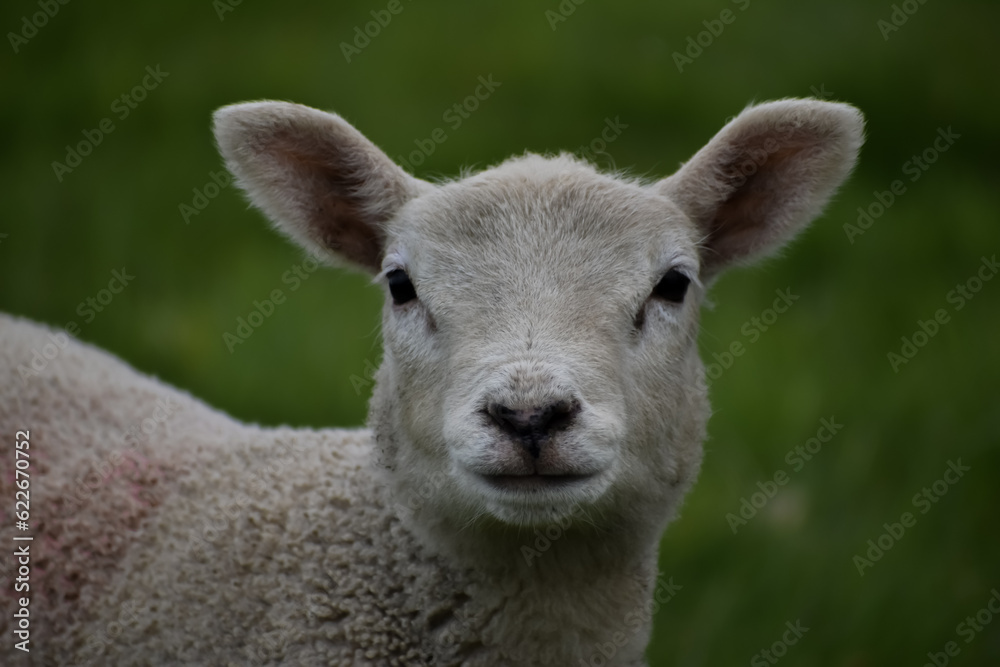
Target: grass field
{"points": [[882, 265]]}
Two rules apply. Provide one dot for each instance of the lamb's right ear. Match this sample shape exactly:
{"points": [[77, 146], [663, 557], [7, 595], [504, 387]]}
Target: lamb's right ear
{"points": [[316, 177]]}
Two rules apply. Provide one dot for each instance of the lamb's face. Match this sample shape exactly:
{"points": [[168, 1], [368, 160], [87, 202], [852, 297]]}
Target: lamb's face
{"points": [[540, 318], [540, 328]]}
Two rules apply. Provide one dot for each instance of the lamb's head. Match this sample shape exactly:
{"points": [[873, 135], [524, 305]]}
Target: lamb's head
{"points": [[541, 318]]}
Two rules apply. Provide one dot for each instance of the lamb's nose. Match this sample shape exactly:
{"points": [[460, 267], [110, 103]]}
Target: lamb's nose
{"points": [[533, 425]]}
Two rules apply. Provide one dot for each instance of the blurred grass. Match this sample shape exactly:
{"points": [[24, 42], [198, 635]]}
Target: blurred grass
{"points": [[825, 357]]}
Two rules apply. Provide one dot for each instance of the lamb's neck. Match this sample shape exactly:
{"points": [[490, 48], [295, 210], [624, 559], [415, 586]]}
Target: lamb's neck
{"points": [[562, 596], [564, 593]]}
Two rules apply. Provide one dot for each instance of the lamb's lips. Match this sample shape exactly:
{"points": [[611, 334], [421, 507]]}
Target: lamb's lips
{"points": [[533, 482]]}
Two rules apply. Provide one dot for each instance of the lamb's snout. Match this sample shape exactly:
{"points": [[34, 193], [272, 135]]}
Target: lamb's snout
{"points": [[531, 426]]}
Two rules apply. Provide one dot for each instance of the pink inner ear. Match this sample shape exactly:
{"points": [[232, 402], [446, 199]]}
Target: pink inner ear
{"points": [[331, 186], [340, 226], [765, 183]]}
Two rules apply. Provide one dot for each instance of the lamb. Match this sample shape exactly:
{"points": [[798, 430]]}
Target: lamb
{"points": [[540, 374]]}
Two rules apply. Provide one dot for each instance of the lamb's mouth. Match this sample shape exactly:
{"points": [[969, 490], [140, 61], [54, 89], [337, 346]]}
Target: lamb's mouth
{"points": [[535, 482]]}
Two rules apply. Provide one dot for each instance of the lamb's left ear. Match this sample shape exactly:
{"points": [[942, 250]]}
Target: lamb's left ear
{"points": [[765, 176], [316, 177]]}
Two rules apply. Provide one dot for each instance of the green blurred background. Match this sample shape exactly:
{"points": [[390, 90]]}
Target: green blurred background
{"points": [[826, 357]]}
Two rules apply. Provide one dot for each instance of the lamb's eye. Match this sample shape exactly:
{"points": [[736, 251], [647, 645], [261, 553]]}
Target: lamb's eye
{"points": [[672, 286], [400, 287]]}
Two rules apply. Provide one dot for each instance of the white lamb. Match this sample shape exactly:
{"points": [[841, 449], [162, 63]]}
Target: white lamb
{"points": [[540, 372]]}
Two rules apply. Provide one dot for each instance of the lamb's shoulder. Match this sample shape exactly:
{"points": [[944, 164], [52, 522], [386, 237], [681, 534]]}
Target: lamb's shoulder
{"points": [[105, 446]]}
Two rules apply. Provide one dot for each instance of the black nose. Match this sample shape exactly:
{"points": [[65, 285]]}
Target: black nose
{"points": [[533, 425]]}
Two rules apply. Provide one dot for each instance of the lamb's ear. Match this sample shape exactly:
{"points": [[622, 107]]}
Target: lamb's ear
{"points": [[765, 176], [316, 177]]}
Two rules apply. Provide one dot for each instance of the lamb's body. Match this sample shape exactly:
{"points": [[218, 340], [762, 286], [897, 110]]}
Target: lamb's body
{"points": [[536, 421], [207, 541]]}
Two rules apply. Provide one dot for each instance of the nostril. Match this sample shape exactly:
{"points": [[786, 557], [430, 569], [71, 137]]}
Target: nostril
{"points": [[535, 423], [560, 415]]}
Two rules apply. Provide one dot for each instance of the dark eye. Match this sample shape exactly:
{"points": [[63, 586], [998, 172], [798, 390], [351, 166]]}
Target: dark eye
{"points": [[400, 287], [672, 286]]}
